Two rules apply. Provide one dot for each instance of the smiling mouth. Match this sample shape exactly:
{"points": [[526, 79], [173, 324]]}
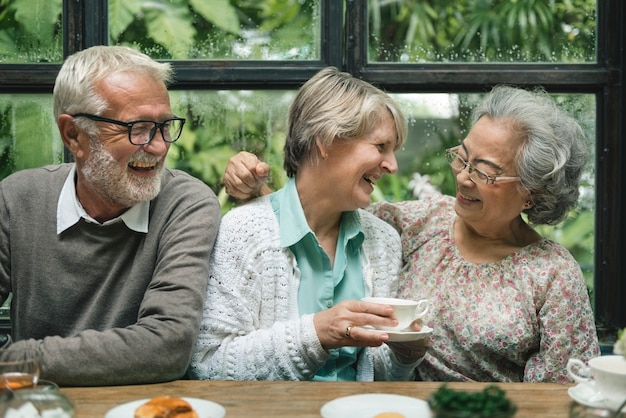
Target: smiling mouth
{"points": [[142, 165], [370, 180], [469, 199]]}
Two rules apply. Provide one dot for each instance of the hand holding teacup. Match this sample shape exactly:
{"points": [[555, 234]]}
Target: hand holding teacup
{"points": [[358, 323], [405, 311], [409, 315]]}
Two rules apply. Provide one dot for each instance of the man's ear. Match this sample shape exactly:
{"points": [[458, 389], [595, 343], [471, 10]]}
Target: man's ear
{"points": [[69, 133]]}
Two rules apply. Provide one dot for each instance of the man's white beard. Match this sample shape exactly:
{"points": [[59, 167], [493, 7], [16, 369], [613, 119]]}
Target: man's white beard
{"points": [[119, 187]]}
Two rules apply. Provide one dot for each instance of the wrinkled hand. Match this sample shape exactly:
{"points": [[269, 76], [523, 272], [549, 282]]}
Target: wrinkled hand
{"points": [[245, 176], [331, 324], [410, 351]]}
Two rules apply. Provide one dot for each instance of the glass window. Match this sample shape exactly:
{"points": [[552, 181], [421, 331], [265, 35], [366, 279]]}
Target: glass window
{"points": [[218, 29], [29, 136], [482, 31], [30, 31]]}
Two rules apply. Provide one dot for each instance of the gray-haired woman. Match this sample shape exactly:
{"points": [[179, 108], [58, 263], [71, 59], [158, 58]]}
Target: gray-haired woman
{"points": [[508, 304]]}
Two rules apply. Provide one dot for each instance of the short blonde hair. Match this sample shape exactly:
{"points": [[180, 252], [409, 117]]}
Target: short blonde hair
{"points": [[331, 105]]}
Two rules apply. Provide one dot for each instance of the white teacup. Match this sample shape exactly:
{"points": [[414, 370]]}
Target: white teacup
{"points": [[608, 373], [405, 311]]}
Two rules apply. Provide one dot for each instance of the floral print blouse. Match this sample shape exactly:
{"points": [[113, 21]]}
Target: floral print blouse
{"points": [[518, 319]]}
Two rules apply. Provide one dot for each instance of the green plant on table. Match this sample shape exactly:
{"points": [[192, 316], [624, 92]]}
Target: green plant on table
{"points": [[491, 402]]}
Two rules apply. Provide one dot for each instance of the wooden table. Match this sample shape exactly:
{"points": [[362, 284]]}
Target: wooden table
{"points": [[305, 399]]}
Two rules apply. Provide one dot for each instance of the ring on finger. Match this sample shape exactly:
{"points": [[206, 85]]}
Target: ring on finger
{"points": [[348, 329]]}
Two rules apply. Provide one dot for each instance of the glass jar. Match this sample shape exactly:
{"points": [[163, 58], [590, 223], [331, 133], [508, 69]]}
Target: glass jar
{"points": [[35, 403], [577, 410]]}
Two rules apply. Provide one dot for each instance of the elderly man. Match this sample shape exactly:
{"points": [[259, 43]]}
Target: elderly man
{"points": [[107, 258]]}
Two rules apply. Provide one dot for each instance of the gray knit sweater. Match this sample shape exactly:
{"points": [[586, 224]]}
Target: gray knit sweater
{"points": [[105, 304], [251, 329]]}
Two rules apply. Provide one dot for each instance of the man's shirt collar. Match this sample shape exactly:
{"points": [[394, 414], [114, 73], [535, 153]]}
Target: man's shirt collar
{"points": [[69, 210]]}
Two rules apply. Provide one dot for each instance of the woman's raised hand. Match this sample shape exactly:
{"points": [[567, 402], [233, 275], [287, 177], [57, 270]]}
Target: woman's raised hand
{"points": [[245, 176]]}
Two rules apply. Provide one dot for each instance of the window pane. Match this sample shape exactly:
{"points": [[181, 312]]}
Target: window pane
{"points": [[30, 31], [221, 123], [28, 133], [482, 31], [218, 29]]}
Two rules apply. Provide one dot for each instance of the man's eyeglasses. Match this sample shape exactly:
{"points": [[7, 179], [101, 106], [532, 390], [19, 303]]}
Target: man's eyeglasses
{"points": [[141, 132], [458, 164]]}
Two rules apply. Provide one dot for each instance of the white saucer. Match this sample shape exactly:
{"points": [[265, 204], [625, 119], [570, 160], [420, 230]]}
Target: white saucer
{"points": [[403, 336], [204, 408], [371, 404], [586, 394]]}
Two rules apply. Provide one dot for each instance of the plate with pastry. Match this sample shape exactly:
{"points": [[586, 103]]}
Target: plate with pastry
{"points": [[168, 406], [376, 405]]}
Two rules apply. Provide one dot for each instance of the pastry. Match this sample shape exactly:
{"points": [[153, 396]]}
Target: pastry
{"points": [[165, 407]]}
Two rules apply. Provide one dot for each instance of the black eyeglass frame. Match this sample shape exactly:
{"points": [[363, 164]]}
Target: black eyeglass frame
{"points": [[451, 156], [129, 126]]}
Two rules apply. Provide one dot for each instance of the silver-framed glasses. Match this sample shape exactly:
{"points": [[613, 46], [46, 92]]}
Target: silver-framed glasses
{"points": [[476, 175]]}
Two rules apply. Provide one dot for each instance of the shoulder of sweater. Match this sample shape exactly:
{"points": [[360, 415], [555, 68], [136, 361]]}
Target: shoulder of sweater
{"points": [[380, 237], [260, 207], [249, 229], [179, 176], [39, 178], [178, 184], [43, 171], [250, 217], [374, 225]]}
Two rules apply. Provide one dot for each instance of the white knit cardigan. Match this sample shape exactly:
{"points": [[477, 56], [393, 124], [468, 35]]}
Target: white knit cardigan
{"points": [[251, 328]]}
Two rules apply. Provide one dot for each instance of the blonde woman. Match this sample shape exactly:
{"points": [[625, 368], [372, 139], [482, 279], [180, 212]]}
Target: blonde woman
{"points": [[289, 269]]}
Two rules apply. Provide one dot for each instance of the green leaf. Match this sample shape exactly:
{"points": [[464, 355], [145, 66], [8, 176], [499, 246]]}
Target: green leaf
{"points": [[37, 16], [121, 14], [7, 43], [36, 33], [218, 12], [170, 25], [32, 121]]}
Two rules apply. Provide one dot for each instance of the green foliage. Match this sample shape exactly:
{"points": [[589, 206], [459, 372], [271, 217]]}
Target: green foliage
{"points": [[218, 12], [30, 31], [491, 402], [7, 165], [33, 120], [483, 30], [122, 13], [212, 29]]}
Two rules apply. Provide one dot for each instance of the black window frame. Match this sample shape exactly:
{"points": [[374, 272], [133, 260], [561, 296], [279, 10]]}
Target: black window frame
{"points": [[345, 46]]}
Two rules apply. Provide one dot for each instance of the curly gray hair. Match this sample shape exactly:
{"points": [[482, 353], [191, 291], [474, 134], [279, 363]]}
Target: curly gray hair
{"points": [[553, 153]]}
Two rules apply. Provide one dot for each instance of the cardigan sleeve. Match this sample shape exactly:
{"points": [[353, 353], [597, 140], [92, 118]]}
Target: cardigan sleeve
{"points": [[251, 329]]}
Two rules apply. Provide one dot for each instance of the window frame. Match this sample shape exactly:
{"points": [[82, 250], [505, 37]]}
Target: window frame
{"points": [[86, 24]]}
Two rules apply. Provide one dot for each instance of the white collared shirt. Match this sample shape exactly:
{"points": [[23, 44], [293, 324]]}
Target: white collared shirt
{"points": [[69, 210]]}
